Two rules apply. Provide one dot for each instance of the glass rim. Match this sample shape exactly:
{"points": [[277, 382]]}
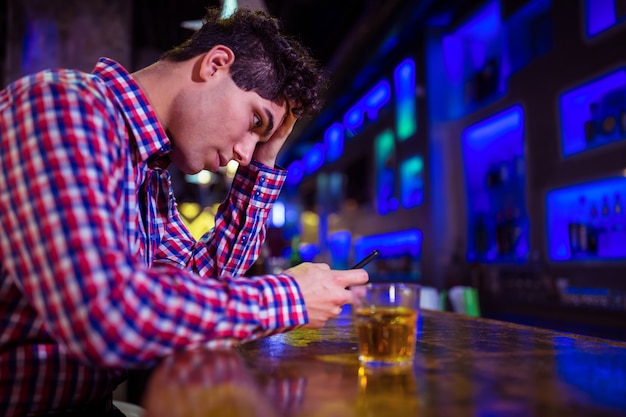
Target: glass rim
{"points": [[370, 285]]}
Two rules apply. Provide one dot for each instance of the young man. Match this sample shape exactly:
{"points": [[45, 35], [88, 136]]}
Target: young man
{"points": [[97, 272]]}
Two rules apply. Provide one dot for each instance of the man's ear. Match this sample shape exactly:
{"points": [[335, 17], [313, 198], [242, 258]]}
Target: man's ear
{"points": [[219, 58]]}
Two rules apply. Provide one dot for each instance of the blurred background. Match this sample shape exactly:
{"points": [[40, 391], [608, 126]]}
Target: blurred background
{"points": [[478, 144]]}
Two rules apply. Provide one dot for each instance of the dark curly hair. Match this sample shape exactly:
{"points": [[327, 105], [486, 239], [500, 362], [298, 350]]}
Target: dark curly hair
{"points": [[267, 61]]}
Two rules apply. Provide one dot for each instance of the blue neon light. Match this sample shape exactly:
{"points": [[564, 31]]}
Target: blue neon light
{"points": [[385, 173], [405, 242], [452, 54], [308, 251], [406, 114], [484, 24], [369, 104], [376, 99], [478, 32], [493, 155], [412, 182], [314, 158], [482, 134], [599, 16], [340, 244], [354, 117], [599, 207], [333, 141], [608, 93], [295, 173], [471, 57]]}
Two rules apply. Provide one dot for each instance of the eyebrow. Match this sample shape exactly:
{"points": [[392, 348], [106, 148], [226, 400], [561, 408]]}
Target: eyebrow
{"points": [[270, 122]]}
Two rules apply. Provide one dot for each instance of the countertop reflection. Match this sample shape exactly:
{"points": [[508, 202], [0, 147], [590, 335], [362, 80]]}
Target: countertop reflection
{"points": [[463, 366]]}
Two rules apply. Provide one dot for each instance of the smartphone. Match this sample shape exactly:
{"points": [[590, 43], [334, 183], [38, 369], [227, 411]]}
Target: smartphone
{"points": [[369, 258]]}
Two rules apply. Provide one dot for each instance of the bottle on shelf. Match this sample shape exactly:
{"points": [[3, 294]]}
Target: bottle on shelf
{"points": [[606, 215], [294, 257], [493, 176], [481, 236], [578, 228], [502, 242], [608, 125], [604, 230], [618, 228], [591, 125], [618, 218], [593, 230]]}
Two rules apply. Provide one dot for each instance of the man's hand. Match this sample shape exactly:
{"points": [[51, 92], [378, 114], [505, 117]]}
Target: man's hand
{"points": [[325, 290], [266, 152]]}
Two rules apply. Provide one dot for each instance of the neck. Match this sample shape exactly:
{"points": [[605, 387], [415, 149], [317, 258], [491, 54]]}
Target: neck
{"points": [[159, 83]]}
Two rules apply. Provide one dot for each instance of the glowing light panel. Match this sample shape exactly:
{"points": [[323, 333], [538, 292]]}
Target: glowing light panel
{"points": [[412, 182], [314, 158], [601, 211], [333, 140], [370, 104], [295, 173], [482, 134], [385, 173], [608, 92], [390, 244], [599, 16], [404, 84]]}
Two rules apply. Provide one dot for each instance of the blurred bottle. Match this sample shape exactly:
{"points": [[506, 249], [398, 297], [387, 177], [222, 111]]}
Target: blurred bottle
{"points": [[481, 236], [295, 258], [592, 127], [618, 228], [593, 229], [618, 215], [578, 228], [501, 235], [604, 230], [493, 177]]}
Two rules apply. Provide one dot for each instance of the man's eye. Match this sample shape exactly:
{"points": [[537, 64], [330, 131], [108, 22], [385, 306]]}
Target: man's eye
{"points": [[257, 121]]}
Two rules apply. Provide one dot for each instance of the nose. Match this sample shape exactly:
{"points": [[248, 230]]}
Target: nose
{"points": [[242, 151]]}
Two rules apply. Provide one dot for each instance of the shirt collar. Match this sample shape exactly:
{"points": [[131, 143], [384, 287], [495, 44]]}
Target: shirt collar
{"points": [[149, 136]]}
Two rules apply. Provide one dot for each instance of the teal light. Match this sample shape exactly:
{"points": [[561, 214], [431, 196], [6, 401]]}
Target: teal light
{"points": [[412, 182], [229, 7], [385, 173], [404, 82]]}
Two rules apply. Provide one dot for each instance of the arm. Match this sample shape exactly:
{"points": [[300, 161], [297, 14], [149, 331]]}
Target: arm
{"points": [[235, 242], [70, 256]]}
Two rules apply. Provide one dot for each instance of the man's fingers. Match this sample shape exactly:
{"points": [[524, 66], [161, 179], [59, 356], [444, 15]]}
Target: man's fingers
{"points": [[353, 277]]}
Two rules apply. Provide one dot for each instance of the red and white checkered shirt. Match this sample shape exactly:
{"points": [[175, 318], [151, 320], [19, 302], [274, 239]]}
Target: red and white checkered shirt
{"points": [[97, 271]]}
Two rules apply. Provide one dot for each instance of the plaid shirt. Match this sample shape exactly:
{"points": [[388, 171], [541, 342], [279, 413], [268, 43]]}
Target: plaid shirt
{"points": [[97, 271]]}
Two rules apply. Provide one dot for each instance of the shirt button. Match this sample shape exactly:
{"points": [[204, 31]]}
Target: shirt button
{"points": [[257, 193], [244, 238], [262, 179]]}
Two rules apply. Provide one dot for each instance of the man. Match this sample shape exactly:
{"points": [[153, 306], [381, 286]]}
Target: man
{"points": [[97, 272]]}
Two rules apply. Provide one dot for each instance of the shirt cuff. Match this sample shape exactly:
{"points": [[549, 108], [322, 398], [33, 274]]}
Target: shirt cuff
{"points": [[282, 302], [258, 183]]}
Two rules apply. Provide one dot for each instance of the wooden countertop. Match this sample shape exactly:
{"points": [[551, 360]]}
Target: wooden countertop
{"points": [[463, 367]]}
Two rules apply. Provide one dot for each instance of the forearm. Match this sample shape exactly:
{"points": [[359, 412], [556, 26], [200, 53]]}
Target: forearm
{"points": [[235, 242]]}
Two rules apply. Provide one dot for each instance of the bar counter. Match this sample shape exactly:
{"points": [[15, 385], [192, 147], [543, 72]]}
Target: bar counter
{"points": [[463, 366]]}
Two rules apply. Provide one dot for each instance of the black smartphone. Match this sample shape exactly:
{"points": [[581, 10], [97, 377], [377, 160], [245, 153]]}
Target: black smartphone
{"points": [[369, 258]]}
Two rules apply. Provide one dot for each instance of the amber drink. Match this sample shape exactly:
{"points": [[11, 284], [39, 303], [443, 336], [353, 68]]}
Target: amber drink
{"points": [[385, 317]]}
